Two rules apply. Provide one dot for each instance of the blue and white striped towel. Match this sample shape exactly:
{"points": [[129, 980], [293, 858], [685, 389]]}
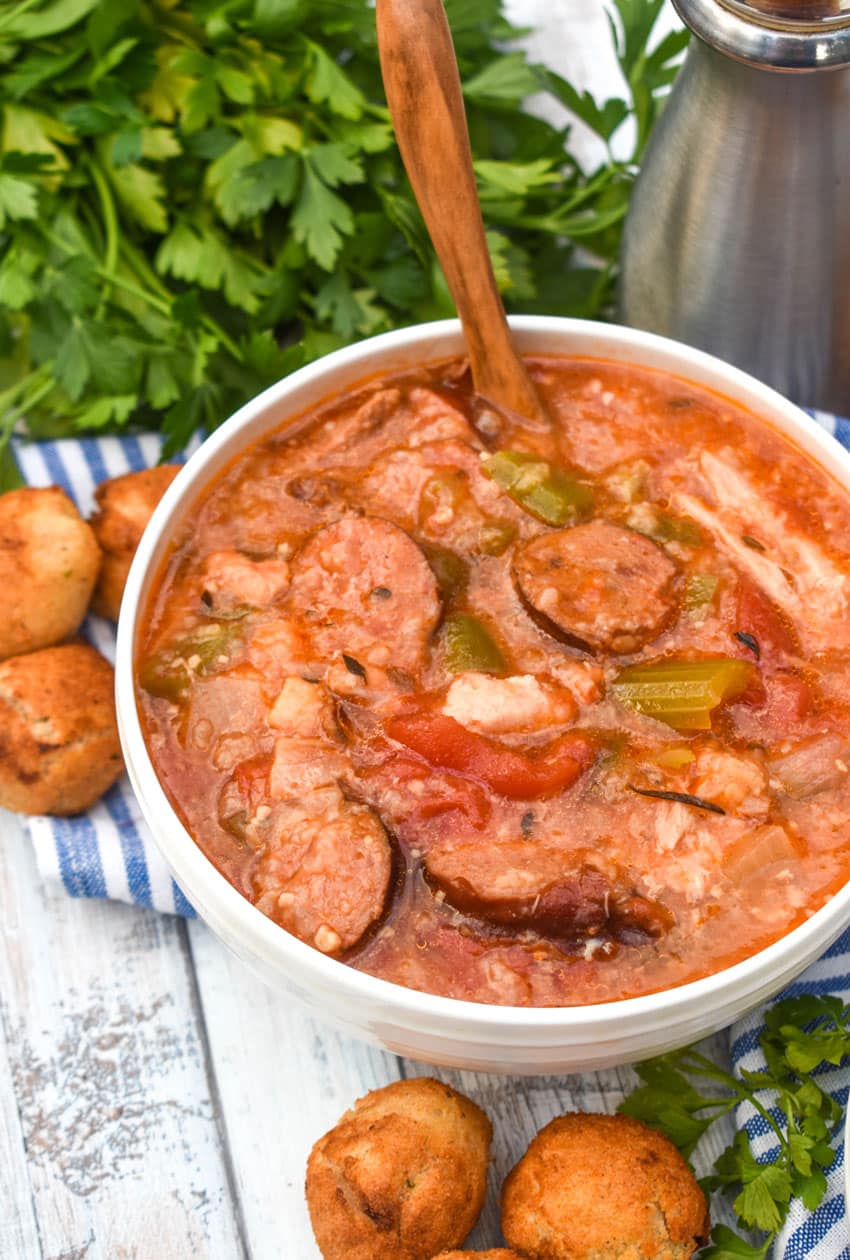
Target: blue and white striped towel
{"points": [[108, 852], [825, 1233]]}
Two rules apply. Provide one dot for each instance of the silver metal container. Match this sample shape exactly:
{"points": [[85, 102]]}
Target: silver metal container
{"points": [[738, 235]]}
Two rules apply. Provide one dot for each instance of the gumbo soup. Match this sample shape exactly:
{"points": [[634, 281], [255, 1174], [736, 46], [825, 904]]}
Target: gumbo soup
{"points": [[517, 714]]}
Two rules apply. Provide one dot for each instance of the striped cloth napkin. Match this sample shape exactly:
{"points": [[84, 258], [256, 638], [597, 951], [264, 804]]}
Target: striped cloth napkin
{"points": [[109, 852], [825, 1233]]}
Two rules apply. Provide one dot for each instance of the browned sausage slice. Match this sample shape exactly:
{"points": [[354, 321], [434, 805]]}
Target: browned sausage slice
{"points": [[324, 871], [601, 586], [364, 588], [526, 884]]}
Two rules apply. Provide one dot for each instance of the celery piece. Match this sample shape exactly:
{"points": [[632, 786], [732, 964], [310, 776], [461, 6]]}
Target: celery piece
{"points": [[683, 693], [699, 590], [470, 646], [548, 493]]}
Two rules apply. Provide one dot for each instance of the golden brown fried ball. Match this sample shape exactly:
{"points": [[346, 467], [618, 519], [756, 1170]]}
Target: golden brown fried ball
{"points": [[500, 1253], [49, 561], [401, 1176], [125, 505], [593, 1187], [59, 747]]}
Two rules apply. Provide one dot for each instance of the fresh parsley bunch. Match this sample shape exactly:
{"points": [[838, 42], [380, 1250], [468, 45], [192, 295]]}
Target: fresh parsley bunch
{"points": [[197, 196], [800, 1035]]}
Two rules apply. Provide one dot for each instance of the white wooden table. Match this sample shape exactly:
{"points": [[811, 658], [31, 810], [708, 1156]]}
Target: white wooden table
{"points": [[156, 1101]]}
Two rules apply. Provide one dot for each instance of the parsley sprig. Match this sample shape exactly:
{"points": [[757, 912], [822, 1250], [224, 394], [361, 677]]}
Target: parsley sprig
{"points": [[684, 1093], [197, 196]]}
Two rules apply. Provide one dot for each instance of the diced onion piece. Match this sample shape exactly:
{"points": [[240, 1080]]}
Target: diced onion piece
{"points": [[675, 758], [756, 850], [817, 764], [683, 693]]}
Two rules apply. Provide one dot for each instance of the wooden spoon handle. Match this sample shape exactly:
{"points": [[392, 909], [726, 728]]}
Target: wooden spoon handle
{"points": [[424, 95]]}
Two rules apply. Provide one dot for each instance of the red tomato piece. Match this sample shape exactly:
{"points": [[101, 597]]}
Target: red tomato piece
{"points": [[758, 616], [442, 741], [789, 700]]}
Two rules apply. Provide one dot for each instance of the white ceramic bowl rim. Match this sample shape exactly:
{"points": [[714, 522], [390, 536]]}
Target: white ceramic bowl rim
{"points": [[257, 932]]}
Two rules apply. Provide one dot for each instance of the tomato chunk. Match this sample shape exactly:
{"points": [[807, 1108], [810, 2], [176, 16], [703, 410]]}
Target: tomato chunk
{"points": [[441, 741], [759, 617]]}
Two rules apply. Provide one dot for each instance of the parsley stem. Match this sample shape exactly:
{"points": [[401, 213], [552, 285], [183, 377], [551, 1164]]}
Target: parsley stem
{"points": [[161, 304], [8, 397], [706, 1068], [11, 419], [12, 16], [146, 273], [110, 226]]}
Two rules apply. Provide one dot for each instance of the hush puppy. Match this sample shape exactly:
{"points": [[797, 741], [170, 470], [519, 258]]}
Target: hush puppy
{"points": [[500, 1253], [594, 1187], [49, 561], [125, 505], [401, 1176], [59, 747]]}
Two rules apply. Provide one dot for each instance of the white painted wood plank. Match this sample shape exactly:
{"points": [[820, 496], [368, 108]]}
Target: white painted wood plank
{"points": [[18, 1229], [282, 1080], [109, 1071]]}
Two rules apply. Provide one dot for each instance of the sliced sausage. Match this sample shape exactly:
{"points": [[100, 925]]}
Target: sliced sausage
{"points": [[598, 585], [364, 588], [324, 870], [525, 884]]}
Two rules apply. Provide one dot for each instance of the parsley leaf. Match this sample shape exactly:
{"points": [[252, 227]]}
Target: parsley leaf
{"points": [[198, 196], [801, 1034]]}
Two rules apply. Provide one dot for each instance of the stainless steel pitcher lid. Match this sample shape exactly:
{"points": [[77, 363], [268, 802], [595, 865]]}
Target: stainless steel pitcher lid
{"points": [[775, 34]]}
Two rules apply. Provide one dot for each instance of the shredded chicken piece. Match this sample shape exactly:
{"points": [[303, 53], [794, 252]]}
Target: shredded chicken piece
{"points": [[498, 706], [794, 571], [302, 710], [737, 782]]}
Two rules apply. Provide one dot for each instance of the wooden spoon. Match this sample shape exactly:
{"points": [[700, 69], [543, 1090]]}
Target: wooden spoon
{"points": [[423, 91]]}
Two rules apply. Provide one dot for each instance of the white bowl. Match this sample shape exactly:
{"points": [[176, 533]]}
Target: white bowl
{"points": [[437, 1029]]}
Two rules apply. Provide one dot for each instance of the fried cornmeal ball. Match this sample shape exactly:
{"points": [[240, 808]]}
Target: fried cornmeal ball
{"points": [[59, 747], [594, 1187], [500, 1253], [401, 1176], [125, 505], [49, 561]]}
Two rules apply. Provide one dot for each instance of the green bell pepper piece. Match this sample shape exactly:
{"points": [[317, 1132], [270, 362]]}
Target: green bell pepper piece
{"points": [[546, 492], [469, 646]]}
